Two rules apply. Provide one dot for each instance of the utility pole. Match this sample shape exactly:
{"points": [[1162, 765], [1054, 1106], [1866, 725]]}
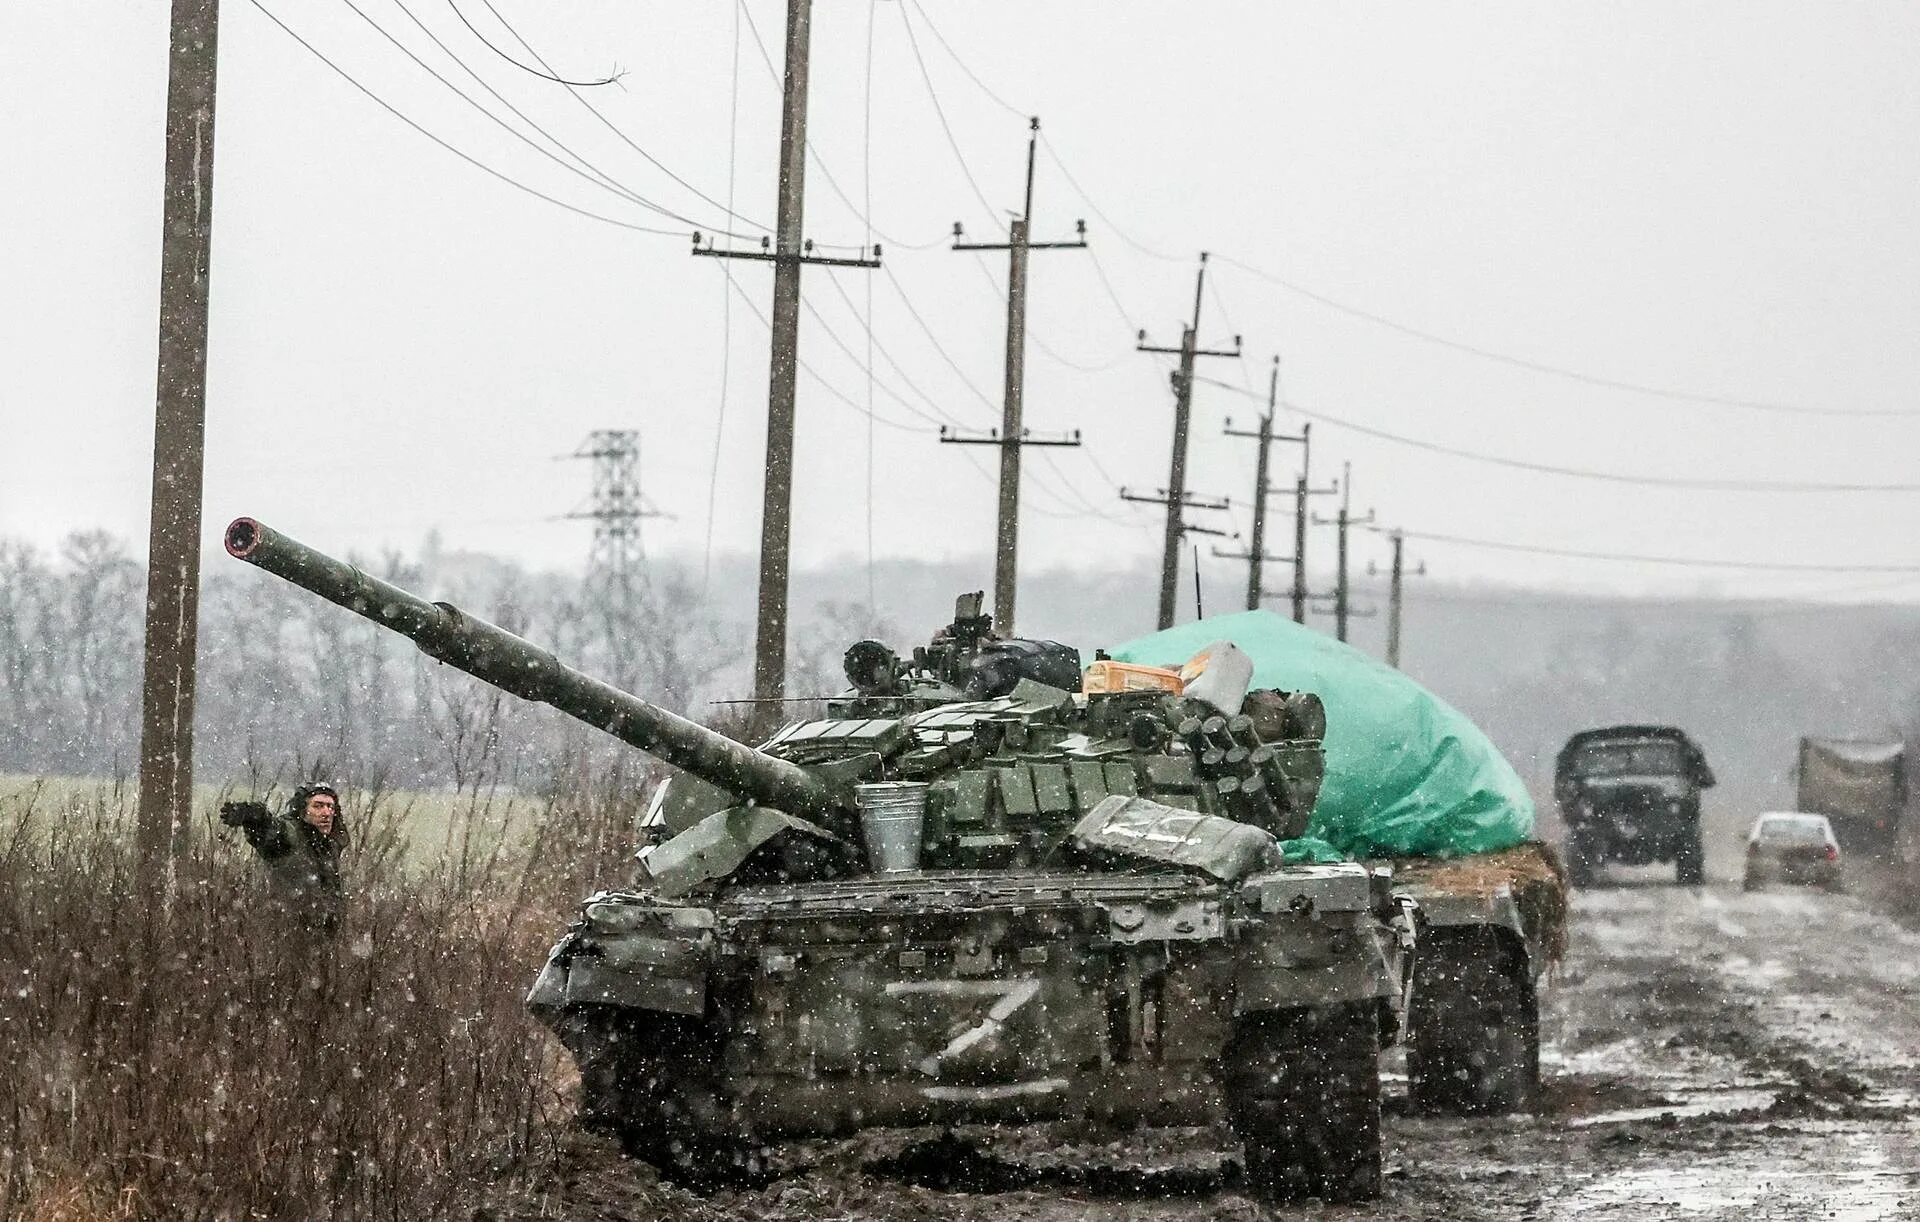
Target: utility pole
{"points": [[1342, 601], [179, 441], [1013, 435], [1302, 490], [788, 255], [1188, 351], [1395, 583], [1255, 555]]}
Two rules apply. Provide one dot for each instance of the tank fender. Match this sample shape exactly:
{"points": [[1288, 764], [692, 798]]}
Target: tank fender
{"points": [[628, 955], [1325, 966], [1490, 925], [715, 847]]}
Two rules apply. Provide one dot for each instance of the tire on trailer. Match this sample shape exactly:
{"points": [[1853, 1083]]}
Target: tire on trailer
{"points": [[644, 1079], [1473, 1040], [1303, 1096], [1690, 863]]}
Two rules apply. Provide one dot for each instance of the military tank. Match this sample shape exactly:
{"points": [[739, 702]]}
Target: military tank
{"points": [[969, 893]]}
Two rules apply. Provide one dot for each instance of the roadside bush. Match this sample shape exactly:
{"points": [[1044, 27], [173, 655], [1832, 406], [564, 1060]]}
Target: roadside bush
{"points": [[193, 1055]]}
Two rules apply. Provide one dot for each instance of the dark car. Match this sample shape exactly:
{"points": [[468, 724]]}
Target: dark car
{"points": [[1793, 847], [1631, 794]]}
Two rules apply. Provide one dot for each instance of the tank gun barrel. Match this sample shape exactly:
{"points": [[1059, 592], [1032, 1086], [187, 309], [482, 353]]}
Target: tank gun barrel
{"points": [[495, 656]]}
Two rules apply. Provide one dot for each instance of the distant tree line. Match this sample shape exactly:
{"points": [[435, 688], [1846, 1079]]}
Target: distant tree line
{"points": [[288, 681]]}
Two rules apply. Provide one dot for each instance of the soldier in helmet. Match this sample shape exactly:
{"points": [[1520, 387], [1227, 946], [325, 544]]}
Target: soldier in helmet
{"points": [[301, 849]]}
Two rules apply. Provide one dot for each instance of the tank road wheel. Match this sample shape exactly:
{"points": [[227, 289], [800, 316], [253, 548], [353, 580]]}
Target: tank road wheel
{"points": [[644, 1078], [1303, 1094], [1473, 1044], [1690, 863]]}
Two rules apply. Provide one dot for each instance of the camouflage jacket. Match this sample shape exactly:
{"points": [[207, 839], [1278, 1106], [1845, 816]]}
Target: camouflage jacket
{"points": [[303, 863]]}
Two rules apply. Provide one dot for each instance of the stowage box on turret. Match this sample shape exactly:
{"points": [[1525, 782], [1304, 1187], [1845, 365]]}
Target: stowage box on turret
{"points": [[970, 893]]}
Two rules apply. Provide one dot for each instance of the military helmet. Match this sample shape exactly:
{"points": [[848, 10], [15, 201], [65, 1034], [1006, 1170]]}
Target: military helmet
{"points": [[298, 803]]}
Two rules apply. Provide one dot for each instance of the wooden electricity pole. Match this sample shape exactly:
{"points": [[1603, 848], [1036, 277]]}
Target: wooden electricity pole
{"points": [[179, 436], [1255, 555], [1303, 490], [1396, 576], [788, 255], [1188, 351], [1013, 435], [1343, 609]]}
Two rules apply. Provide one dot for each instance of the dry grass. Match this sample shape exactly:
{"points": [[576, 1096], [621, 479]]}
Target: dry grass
{"points": [[194, 1056]]}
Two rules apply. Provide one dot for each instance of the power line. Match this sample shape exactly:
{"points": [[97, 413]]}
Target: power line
{"points": [[847, 351], [1801, 602], [934, 404], [810, 371], [850, 402], [1613, 477], [935, 341], [886, 355], [1220, 302], [615, 128], [1638, 388], [590, 173], [531, 71], [980, 262], [1678, 561], [1119, 307], [934, 30], [934, 97], [588, 170], [726, 308], [475, 162], [1542, 367], [819, 163], [1094, 208]]}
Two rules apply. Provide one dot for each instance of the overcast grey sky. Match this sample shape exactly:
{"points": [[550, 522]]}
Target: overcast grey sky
{"points": [[1720, 199]]}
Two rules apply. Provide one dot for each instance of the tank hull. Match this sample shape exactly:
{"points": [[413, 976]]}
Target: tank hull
{"points": [[968, 997]]}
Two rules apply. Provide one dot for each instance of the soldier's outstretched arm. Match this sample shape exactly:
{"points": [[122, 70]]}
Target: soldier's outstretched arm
{"points": [[243, 814], [257, 823]]}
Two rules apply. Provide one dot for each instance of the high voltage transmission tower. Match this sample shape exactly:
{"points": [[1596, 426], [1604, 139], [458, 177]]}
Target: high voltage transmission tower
{"points": [[616, 507], [788, 254], [1175, 494], [1012, 435]]}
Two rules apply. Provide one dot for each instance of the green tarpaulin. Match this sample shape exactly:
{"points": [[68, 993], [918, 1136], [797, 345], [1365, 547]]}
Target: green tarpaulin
{"points": [[1407, 775]]}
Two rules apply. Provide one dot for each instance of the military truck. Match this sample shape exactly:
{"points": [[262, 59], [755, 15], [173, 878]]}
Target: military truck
{"points": [[967, 894], [1862, 789], [1631, 794]]}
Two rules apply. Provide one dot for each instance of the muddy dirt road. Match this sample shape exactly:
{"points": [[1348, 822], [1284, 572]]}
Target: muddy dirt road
{"points": [[1708, 1055]]}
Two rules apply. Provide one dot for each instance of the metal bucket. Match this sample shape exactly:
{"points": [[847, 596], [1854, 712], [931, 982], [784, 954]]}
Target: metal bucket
{"points": [[893, 817]]}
